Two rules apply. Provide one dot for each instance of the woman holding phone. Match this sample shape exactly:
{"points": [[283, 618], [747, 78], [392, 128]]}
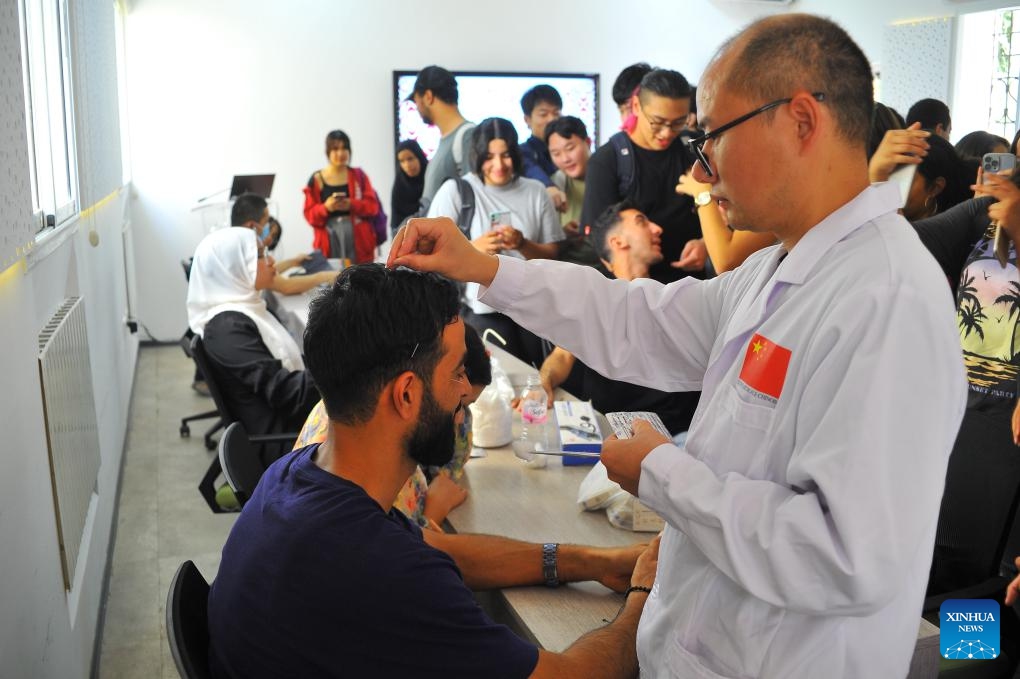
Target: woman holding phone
{"points": [[339, 204], [513, 215]]}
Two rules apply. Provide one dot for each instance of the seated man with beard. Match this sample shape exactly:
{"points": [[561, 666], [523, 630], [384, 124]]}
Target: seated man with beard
{"points": [[322, 577]]}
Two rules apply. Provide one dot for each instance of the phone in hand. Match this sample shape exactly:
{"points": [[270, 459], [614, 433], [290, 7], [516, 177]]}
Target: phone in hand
{"points": [[497, 219], [997, 163]]}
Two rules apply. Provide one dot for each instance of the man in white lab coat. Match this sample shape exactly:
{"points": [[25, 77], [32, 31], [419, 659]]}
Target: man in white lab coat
{"points": [[801, 513]]}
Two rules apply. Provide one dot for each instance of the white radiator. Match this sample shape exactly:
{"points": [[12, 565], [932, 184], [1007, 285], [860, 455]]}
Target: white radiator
{"points": [[71, 432]]}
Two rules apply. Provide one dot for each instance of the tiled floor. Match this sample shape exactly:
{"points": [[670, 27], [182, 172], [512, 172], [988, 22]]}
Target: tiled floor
{"points": [[162, 521]]}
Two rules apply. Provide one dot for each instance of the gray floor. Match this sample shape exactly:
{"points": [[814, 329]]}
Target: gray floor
{"points": [[162, 521]]}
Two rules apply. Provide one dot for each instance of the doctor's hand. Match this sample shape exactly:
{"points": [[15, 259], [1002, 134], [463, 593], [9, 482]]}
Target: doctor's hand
{"points": [[437, 245], [623, 457]]}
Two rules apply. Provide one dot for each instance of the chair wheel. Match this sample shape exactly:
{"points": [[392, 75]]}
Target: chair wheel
{"points": [[210, 444], [185, 431]]}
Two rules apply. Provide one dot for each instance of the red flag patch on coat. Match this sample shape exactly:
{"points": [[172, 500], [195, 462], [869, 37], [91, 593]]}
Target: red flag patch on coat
{"points": [[765, 365]]}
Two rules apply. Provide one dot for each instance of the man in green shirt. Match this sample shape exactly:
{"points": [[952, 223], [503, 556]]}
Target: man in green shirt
{"points": [[570, 148]]}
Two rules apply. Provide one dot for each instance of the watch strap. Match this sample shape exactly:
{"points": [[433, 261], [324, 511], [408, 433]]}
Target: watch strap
{"points": [[549, 574]]}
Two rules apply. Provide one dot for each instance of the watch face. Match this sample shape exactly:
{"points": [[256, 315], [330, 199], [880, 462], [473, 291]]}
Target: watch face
{"points": [[703, 198]]}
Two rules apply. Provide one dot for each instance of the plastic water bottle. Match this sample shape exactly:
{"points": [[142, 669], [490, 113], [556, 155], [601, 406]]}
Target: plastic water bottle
{"points": [[534, 415]]}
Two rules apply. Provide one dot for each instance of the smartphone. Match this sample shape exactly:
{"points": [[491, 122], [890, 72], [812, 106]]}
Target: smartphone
{"points": [[997, 163], [903, 177], [499, 218]]}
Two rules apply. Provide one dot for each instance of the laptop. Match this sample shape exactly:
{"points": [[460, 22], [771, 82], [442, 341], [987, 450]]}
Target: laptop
{"points": [[261, 184]]}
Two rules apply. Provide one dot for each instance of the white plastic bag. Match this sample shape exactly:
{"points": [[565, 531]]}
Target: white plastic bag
{"points": [[627, 512], [597, 491], [491, 414]]}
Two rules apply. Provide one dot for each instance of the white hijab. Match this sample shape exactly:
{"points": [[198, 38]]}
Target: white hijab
{"points": [[223, 279]]}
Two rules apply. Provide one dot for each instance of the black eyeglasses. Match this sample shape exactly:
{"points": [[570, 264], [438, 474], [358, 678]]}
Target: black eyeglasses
{"points": [[697, 144]]}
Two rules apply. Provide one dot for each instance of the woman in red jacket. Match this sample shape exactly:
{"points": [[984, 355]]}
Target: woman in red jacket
{"points": [[340, 204]]}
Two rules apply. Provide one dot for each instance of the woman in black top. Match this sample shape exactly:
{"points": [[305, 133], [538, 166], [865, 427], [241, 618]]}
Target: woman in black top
{"points": [[983, 477], [408, 183]]}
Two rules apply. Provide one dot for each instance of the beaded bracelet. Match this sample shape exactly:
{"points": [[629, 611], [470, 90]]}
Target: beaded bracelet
{"points": [[637, 588]]}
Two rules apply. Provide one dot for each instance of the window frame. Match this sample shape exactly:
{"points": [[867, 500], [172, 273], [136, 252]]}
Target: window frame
{"points": [[49, 109]]}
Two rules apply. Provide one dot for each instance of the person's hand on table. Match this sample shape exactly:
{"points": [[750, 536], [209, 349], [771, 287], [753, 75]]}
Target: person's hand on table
{"points": [[491, 242], [1013, 588], [647, 564], [443, 495], [898, 147], [693, 256], [623, 457], [437, 245], [623, 566]]}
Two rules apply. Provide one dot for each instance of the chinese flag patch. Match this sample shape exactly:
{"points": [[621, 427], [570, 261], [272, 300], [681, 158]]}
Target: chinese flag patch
{"points": [[765, 365]]}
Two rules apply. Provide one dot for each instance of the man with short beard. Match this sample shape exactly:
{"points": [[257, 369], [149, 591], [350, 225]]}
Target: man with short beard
{"points": [[322, 577]]}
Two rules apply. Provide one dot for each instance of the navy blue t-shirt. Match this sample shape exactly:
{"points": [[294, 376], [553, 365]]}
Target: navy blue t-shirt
{"points": [[316, 580]]}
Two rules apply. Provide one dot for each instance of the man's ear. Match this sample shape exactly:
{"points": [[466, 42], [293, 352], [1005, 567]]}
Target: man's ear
{"points": [[527, 121], [405, 394], [616, 241], [806, 112]]}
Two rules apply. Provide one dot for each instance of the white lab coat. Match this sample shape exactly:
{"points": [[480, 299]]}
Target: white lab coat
{"points": [[799, 529]]}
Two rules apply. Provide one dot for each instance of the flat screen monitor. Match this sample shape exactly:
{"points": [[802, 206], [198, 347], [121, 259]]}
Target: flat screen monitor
{"points": [[261, 184], [484, 94]]}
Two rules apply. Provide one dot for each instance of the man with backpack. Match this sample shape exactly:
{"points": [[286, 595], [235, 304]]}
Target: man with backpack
{"points": [[643, 165], [435, 94]]}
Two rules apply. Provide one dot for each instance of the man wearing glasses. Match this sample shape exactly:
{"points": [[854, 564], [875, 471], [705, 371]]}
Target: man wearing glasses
{"points": [[801, 513], [643, 165]]}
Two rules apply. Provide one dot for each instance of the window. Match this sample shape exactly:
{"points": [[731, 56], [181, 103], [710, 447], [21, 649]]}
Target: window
{"points": [[45, 51], [1006, 71]]}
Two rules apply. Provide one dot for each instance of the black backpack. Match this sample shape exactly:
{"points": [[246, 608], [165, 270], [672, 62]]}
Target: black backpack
{"points": [[467, 206], [624, 149]]}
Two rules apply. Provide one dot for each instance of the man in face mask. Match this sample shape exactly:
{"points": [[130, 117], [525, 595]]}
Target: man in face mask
{"points": [[250, 211], [322, 576]]}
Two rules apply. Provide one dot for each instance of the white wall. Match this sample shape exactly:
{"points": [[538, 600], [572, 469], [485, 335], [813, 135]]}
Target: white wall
{"points": [[43, 631], [233, 87]]}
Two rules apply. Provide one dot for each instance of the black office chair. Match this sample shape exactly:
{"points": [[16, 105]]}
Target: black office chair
{"points": [[187, 622], [273, 445], [243, 464], [186, 338]]}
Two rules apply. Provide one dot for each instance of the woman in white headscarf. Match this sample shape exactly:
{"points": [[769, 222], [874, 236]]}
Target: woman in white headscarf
{"points": [[257, 364]]}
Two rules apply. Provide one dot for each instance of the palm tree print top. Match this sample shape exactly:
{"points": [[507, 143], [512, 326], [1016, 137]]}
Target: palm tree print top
{"points": [[987, 300]]}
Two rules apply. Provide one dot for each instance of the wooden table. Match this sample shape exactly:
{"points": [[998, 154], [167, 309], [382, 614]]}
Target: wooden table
{"points": [[509, 498]]}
